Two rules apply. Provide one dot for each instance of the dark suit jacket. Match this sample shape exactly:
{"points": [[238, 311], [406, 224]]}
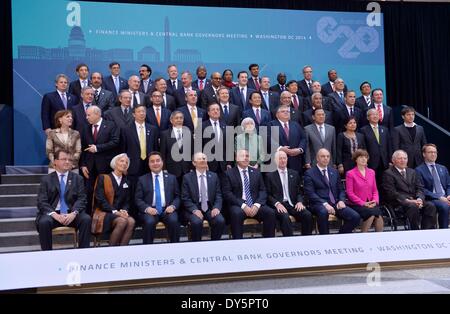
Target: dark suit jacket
{"points": [[234, 115], [108, 140], [144, 99], [169, 103], [75, 88], [297, 139], [190, 194], [51, 103], [427, 179], [317, 190], [397, 189], [170, 89], [379, 153], [342, 114], [208, 96], [328, 89], [236, 97], [213, 164], [79, 118], [180, 97], [132, 147], [206, 83], [106, 100], [362, 104], [327, 103], [116, 115], [401, 139], [144, 192], [108, 83], [388, 117], [175, 167], [121, 194], [263, 113], [150, 87], [233, 185], [337, 102], [275, 189], [344, 150], [49, 194], [276, 88], [274, 102], [303, 89], [251, 83], [165, 118], [201, 115]]}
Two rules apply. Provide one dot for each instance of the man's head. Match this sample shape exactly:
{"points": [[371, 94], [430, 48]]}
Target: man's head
{"points": [[62, 82], [201, 72], [176, 119], [200, 162], [332, 75], [216, 79], [172, 71], [214, 111], [155, 162], [283, 113], [265, 83], [87, 94], [285, 98], [96, 79], [281, 159], [323, 157], [408, 114], [350, 98], [281, 78], [82, 71], [242, 78], [318, 116], [255, 99], [307, 72], [430, 152], [161, 85], [191, 97], [254, 69], [145, 71], [114, 68], [377, 95], [62, 161], [157, 98], [316, 87], [125, 98], [242, 158], [133, 83], [139, 114], [400, 159], [224, 95], [93, 114], [373, 116], [186, 79], [365, 88], [292, 86]]}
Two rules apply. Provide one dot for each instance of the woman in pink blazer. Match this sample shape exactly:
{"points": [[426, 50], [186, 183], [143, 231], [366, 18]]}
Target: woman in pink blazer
{"points": [[362, 192]]}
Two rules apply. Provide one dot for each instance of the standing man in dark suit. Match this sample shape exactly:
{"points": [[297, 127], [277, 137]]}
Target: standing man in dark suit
{"points": [[283, 194], [121, 115], [270, 99], [260, 116], [291, 138], [168, 100], [241, 93], [100, 141], [338, 95], [436, 181], [327, 102], [193, 115], [230, 114], [79, 111], [403, 187], [158, 199], [82, 81], [55, 101], [364, 101], [104, 99], [281, 86], [409, 137], [326, 195], [62, 202], [114, 82], [329, 86], [157, 115], [180, 94], [305, 85], [137, 98], [177, 146], [173, 83], [349, 110], [201, 82], [215, 141], [210, 91], [378, 144], [202, 199], [317, 103], [295, 114], [245, 194], [384, 112], [146, 84], [254, 81]]}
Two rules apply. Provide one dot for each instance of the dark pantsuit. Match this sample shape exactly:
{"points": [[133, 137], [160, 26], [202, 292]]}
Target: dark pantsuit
{"points": [[217, 225], [428, 213], [265, 214], [442, 211], [82, 223], [350, 217], [149, 223]]}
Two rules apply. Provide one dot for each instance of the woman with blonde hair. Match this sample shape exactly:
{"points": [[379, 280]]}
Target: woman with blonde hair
{"points": [[63, 137]]}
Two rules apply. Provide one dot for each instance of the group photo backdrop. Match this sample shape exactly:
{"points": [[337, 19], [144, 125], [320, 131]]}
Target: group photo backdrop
{"points": [[52, 37]]}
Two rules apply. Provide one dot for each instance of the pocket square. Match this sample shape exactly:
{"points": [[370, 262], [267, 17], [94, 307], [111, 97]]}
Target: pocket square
{"points": [[125, 186]]}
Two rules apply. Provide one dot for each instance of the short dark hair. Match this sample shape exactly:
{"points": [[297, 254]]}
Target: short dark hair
{"points": [[252, 66], [364, 83], [407, 109], [153, 153], [358, 153], [377, 89], [113, 64], [58, 153], [317, 109], [348, 119], [147, 67], [291, 82], [241, 72], [80, 66]]}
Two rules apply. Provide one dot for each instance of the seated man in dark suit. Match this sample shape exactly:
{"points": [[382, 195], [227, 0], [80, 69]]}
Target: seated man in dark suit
{"points": [[56, 211], [326, 195], [55, 101], [245, 194], [403, 187], [283, 194], [202, 199], [436, 181], [158, 199]]}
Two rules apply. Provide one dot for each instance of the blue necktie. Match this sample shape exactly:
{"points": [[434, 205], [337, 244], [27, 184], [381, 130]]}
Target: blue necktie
{"points": [[117, 84], [225, 111], [63, 208], [436, 182], [158, 202], [244, 101], [330, 193], [248, 195]]}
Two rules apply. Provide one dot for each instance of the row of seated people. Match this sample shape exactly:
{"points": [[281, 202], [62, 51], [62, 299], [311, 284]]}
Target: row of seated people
{"points": [[241, 193]]}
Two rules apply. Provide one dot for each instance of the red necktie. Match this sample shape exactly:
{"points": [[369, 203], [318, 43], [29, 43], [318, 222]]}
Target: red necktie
{"points": [[257, 84], [286, 130], [201, 85], [295, 101], [95, 132], [380, 113]]}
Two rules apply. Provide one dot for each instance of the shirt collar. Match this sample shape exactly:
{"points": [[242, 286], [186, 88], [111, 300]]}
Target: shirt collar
{"points": [[409, 125]]}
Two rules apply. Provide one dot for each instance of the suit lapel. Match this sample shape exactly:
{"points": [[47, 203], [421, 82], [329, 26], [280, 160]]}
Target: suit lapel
{"points": [[166, 188]]}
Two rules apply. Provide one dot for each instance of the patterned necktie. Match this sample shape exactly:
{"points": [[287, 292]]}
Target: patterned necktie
{"points": [[63, 208], [201, 85], [142, 142], [64, 100], [286, 130], [174, 84], [125, 112], [403, 173], [225, 111], [158, 201], [145, 86], [341, 97], [158, 116], [96, 96], [194, 117], [256, 83], [330, 193], [203, 194], [179, 139], [84, 83], [380, 113], [258, 116], [117, 84], [436, 182], [94, 135], [368, 101], [295, 101], [248, 195]]}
